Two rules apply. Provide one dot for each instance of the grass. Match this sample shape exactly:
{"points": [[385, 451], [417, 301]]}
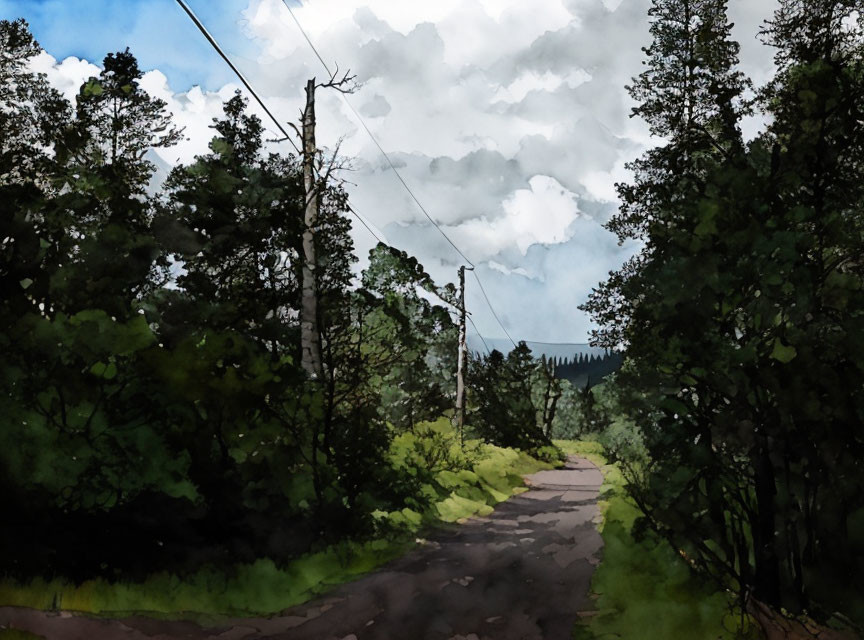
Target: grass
{"points": [[255, 589], [263, 588], [643, 589]]}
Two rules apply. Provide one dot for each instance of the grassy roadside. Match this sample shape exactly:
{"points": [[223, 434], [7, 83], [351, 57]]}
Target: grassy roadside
{"points": [[644, 590], [263, 588]]}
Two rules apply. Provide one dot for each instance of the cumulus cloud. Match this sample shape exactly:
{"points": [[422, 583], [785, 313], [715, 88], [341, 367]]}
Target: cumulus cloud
{"points": [[508, 119], [541, 214], [67, 76]]}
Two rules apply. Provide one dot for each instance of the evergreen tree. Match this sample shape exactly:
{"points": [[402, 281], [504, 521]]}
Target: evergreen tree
{"points": [[232, 220], [503, 412], [736, 316], [112, 258], [32, 115], [658, 305]]}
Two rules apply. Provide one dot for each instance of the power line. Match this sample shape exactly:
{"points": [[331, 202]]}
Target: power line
{"points": [[368, 228], [480, 335], [228, 61], [492, 309], [258, 98], [278, 124], [395, 170], [374, 140]]}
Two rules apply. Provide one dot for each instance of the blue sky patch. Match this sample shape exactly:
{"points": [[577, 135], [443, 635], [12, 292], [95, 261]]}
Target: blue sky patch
{"points": [[158, 32]]}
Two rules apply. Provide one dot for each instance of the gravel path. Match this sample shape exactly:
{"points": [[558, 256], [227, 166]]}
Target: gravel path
{"points": [[522, 573]]}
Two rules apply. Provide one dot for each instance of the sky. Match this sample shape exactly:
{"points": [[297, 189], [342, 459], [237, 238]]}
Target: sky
{"points": [[509, 119]]}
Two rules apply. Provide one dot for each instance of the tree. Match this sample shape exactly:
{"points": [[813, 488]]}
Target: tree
{"points": [[736, 315], [31, 114], [232, 220], [113, 259], [419, 384], [691, 95], [501, 407], [547, 392]]}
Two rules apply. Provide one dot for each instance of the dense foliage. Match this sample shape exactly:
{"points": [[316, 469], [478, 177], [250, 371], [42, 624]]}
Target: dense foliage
{"points": [[741, 316], [154, 413]]}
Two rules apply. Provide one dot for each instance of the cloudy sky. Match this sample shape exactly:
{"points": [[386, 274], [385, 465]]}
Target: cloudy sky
{"points": [[508, 119]]}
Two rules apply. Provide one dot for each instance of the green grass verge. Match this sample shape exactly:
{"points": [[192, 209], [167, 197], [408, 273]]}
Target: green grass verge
{"points": [[644, 590], [254, 589], [263, 588]]}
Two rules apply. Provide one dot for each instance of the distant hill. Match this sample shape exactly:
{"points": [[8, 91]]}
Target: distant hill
{"points": [[559, 351], [587, 370], [581, 364]]}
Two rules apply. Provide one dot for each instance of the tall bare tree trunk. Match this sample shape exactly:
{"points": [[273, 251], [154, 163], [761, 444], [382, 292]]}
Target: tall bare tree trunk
{"points": [[310, 339], [459, 418]]}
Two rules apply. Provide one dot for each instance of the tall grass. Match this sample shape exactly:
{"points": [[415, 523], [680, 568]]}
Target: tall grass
{"points": [[262, 588], [644, 590]]}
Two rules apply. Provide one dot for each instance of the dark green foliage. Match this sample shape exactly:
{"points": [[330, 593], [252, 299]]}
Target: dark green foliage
{"points": [[589, 370], [153, 407], [231, 221], [741, 316], [107, 254], [415, 336], [501, 409]]}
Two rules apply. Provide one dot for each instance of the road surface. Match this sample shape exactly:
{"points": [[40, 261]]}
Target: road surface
{"points": [[522, 573]]}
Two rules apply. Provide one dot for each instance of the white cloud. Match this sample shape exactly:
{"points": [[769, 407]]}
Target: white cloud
{"points": [[193, 110], [539, 215], [66, 76], [532, 81], [508, 119], [601, 184], [519, 271]]}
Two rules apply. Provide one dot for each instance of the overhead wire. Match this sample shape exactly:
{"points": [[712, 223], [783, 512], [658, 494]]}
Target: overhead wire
{"points": [[236, 71], [482, 339], [395, 170], [215, 44], [368, 228], [492, 309], [373, 138]]}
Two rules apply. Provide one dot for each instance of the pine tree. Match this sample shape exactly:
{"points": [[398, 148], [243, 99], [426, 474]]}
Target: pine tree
{"points": [[691, 95], [659, 305], [33, 114], [233, 220], [504, 412], [737, 316], [113, 259]]}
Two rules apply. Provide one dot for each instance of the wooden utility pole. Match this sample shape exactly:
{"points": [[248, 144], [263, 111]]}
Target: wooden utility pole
{"points": [[310, 338], [310, 329], [459, 418]]}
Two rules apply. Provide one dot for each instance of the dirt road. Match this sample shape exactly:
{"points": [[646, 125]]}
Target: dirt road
{"points": [[521, 573]]}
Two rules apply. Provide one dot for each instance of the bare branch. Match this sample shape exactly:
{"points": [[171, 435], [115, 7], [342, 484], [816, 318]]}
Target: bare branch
{"points": [[346, 84], [296, 130]]}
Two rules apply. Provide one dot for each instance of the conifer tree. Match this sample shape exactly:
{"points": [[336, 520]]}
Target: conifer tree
{"points": [[113, 259], [736, 316]]}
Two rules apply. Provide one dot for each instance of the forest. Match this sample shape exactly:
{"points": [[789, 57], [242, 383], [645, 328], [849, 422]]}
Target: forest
{"points": [[741, 316], [154, 406], [157, 419]]}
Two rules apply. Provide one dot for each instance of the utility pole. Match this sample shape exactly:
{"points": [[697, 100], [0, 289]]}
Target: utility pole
{"points": [[460, 366], [310, 339], [310, 333]]}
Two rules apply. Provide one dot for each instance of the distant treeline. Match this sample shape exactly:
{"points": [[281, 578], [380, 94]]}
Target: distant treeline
{"points": [[586, 370]]}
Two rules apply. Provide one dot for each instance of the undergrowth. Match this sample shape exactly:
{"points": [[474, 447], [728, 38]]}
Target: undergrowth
{"points": [[455, 483], [643, 589]]}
